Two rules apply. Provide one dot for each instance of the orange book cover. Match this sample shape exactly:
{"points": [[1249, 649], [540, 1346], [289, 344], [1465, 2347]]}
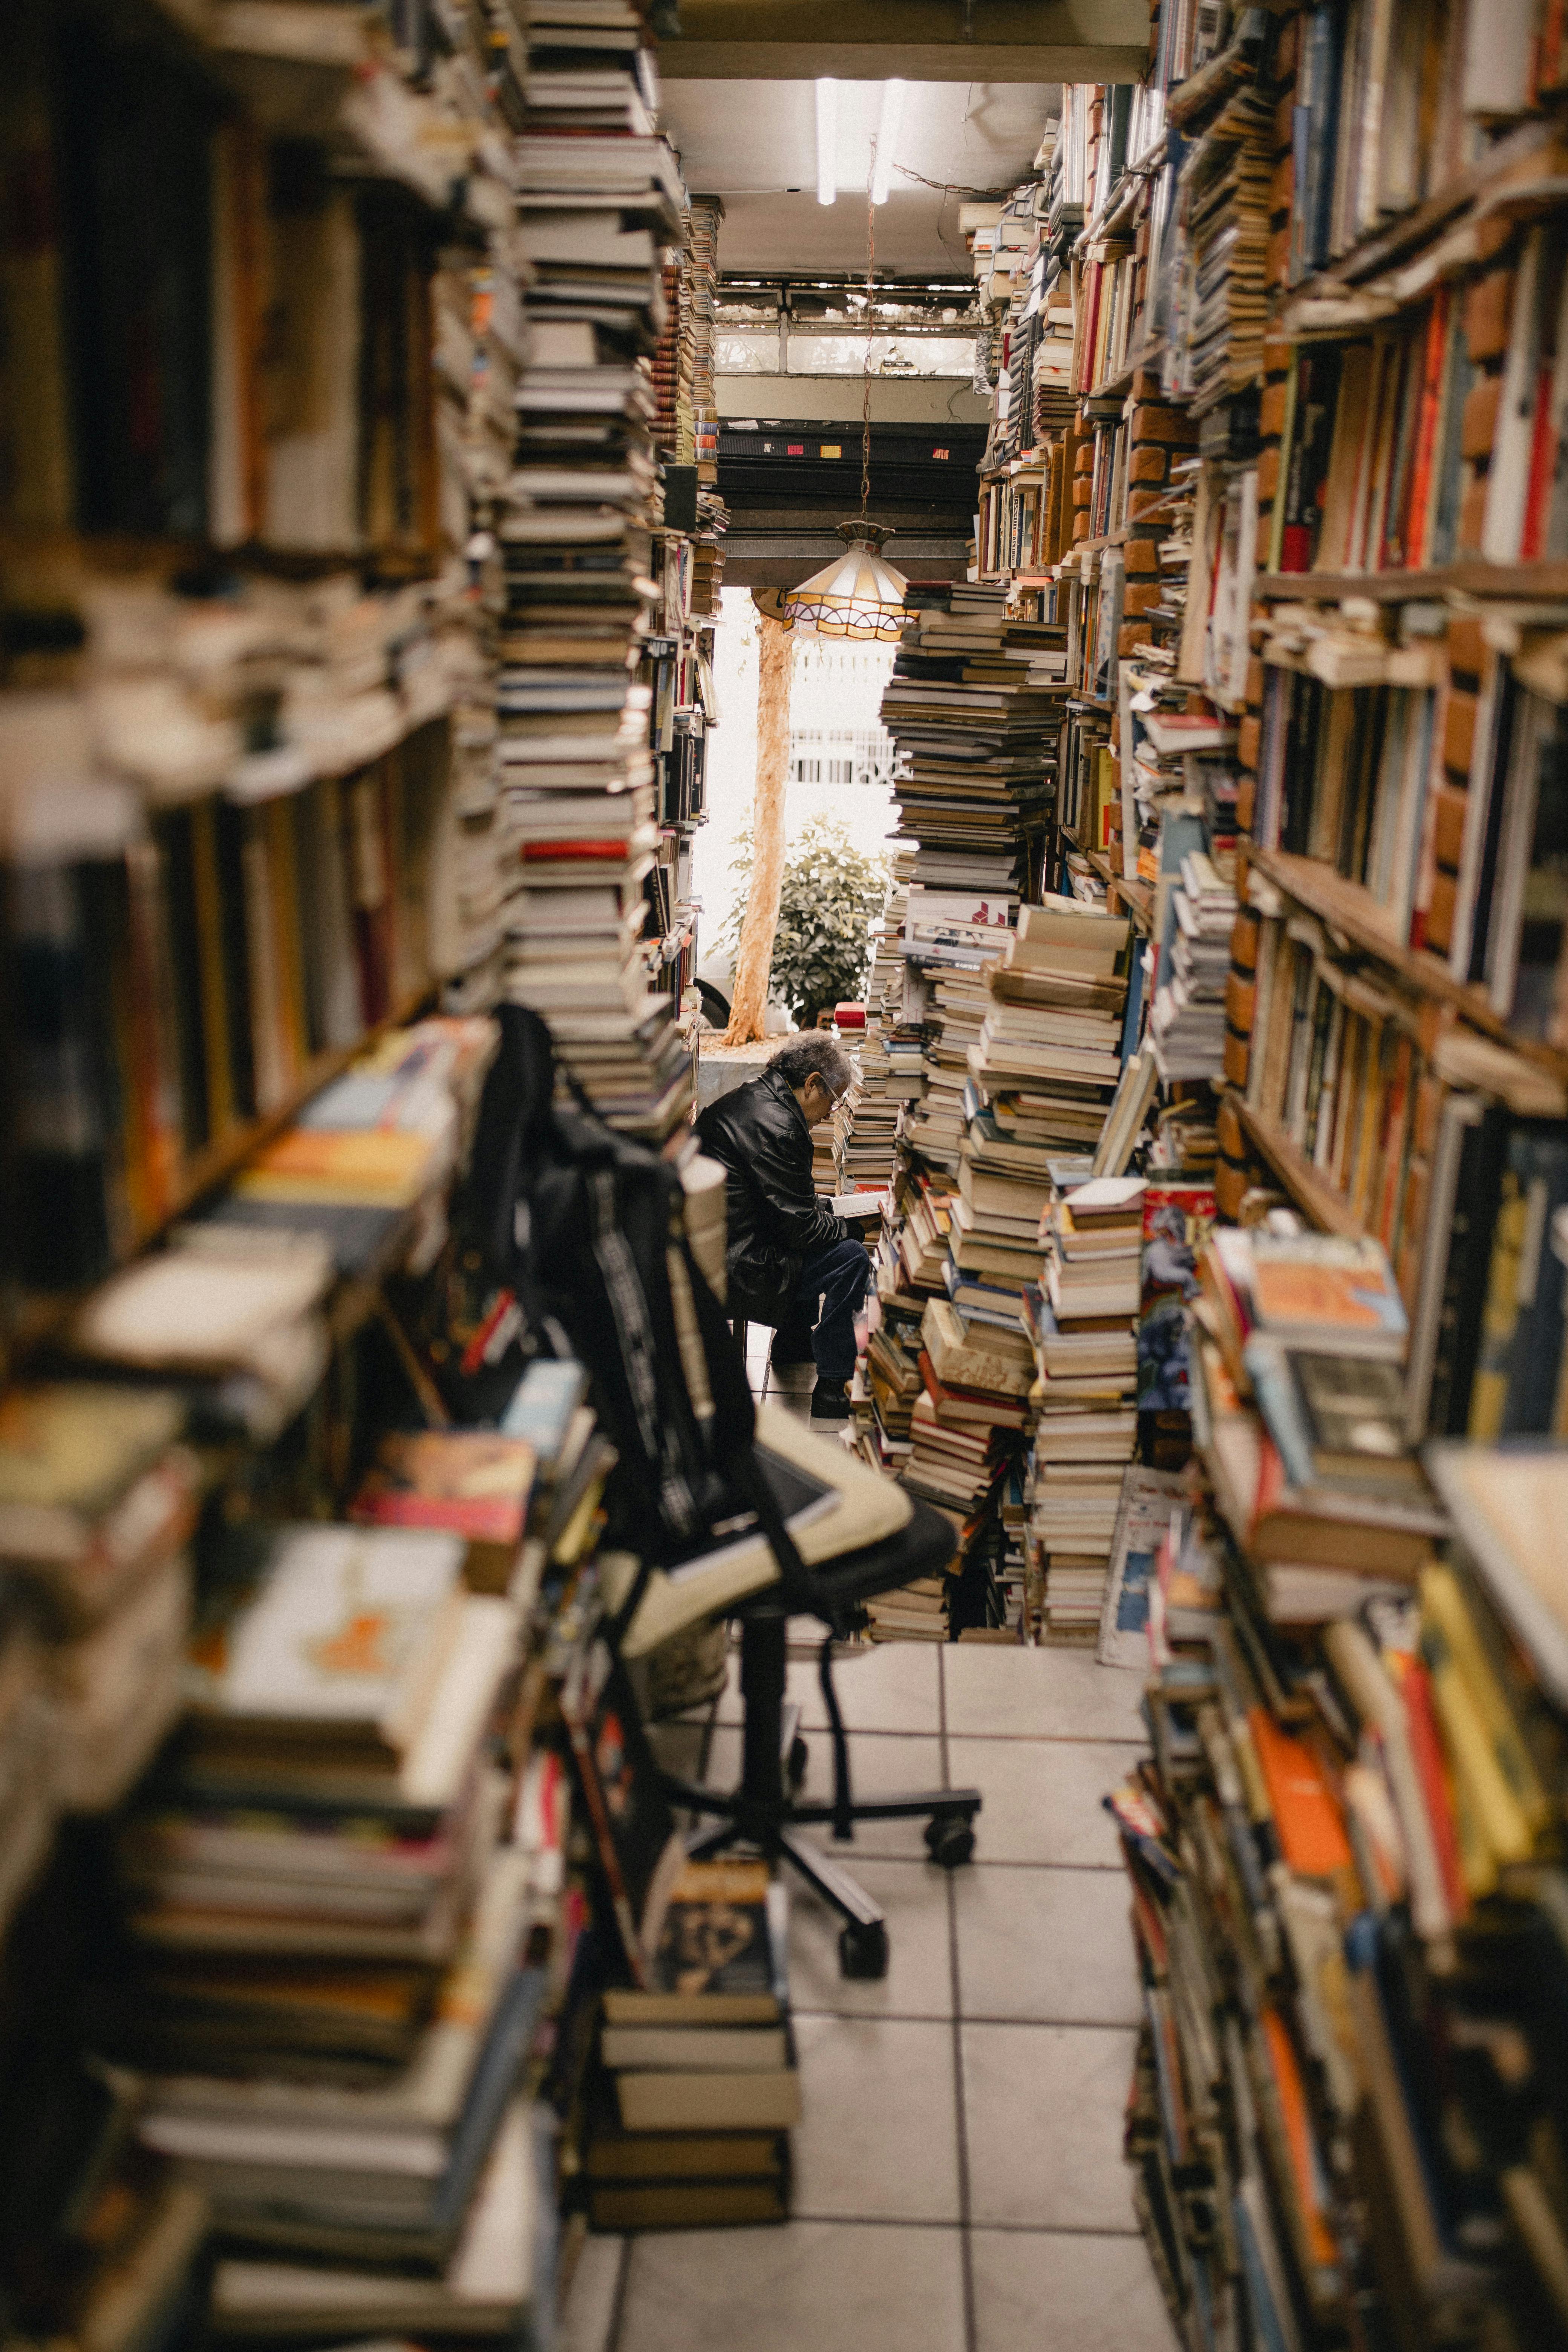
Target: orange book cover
{"points": [[1543, 463], [388, 1167], [1306, 1813], [1413, 522], [1306, 2169]]}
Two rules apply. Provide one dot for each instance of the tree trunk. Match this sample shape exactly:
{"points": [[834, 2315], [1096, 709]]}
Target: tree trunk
{"points": [[753, 961]]}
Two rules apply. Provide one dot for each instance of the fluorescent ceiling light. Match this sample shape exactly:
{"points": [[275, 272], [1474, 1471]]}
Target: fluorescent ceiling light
{"points": [[826, 140], [887, 138]]}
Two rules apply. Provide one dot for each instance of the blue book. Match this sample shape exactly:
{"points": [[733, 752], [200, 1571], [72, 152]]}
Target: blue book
{"points": [[543, 1404]]}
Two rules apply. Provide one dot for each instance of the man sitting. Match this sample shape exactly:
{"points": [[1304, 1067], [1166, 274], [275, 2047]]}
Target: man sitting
{"points": [[792, 1263]]}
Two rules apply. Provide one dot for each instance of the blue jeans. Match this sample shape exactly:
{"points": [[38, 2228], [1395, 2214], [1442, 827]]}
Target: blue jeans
{"points": [[838, 1278]]}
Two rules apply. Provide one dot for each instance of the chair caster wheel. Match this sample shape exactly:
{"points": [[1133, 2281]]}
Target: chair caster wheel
{"points": [[863, 1951], [951, 1841], [799, 1756]]}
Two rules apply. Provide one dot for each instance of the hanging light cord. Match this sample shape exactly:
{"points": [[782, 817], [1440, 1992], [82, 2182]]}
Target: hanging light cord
{"points": [[870, 331]]}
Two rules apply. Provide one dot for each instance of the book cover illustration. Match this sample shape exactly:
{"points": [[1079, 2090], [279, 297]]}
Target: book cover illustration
{"points": [[1176, 1221], [473, 1481]]}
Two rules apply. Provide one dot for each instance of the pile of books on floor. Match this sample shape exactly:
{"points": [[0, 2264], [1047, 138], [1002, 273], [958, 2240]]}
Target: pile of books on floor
{"points": [[1187, 1020], [915, 1612], [865, 1123], [973, 1420], [320, 1944], [972, 733], [887, 1380], [598, 208], [671, 368], [1083, 1321], [685, 2109]]}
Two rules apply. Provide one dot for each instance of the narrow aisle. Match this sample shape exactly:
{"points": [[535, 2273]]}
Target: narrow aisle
{"points": [[959, 2179]]}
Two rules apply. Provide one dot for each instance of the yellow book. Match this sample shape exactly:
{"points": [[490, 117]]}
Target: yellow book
{"points": [[1443, 1604], [1498, 1811], [384, 1167]]}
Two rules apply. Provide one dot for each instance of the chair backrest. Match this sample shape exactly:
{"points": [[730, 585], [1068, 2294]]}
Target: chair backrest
{"points": [[578, 1223]]}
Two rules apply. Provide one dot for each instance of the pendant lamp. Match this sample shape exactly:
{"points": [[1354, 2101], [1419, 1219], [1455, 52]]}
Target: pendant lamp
{"points": [[857, 595]]}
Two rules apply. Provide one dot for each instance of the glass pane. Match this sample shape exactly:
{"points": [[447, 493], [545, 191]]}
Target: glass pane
{"points": [[891, 355], [746, 351]]}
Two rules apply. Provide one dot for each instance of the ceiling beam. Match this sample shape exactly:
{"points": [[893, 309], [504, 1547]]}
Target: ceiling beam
{"points": [[863, 40]]}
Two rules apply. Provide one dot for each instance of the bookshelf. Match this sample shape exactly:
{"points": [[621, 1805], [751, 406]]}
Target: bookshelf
{"points": [[294, 354], [1341, 815], [1322, 1202]]}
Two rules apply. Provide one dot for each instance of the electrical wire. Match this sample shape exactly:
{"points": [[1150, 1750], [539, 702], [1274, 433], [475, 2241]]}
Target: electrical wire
{"points": [[949, 187], [870, 331]]}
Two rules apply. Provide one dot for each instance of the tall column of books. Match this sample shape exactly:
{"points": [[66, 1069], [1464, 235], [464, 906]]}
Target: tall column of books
{"points": [[587, 737]]}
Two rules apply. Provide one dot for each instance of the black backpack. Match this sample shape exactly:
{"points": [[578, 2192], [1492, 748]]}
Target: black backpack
{"points": [[576, 1223]]}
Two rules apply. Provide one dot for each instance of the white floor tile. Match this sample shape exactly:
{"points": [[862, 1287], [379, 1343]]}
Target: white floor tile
{"points": [[1051, 1945], [1056, 2293], [882, 1764], [994, 1692], [1043, 2107], [891, 1686], [814, 2287], [1044, 1797], [919, 1983], [878, 2138]]}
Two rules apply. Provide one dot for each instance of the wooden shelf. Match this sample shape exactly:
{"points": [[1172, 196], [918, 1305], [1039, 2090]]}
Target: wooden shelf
{"points": [[1467, 577], [1308, 1187], [1137, 896], [57, 557], [1532, 140], [37, 1319], [1353, 912]]}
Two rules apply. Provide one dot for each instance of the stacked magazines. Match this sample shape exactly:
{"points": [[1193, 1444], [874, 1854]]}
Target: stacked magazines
{"points": [[685, 2114], [320, 1953]]}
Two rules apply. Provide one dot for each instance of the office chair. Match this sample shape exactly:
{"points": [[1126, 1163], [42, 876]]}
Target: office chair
{"points": [[765, 1810]]}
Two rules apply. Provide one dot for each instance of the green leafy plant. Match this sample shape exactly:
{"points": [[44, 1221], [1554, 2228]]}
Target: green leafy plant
{"points": [[830, 894]]}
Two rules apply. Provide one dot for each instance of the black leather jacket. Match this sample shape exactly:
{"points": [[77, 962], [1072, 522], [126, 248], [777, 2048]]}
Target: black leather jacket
{"points": [[760, 1137]]}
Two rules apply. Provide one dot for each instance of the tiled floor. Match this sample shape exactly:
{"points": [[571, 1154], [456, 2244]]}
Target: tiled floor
{"points": [[959, 2181]]}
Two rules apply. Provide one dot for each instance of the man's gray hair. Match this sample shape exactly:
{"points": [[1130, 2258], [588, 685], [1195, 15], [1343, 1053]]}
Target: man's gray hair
{"points": [[818, 1054]]}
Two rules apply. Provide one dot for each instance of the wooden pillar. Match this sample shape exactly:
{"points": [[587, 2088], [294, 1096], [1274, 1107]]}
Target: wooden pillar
{"points": [[753, 961]]}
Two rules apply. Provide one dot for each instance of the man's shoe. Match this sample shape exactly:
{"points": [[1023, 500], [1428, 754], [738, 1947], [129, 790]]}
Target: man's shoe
{"points": [[830, 1401]]}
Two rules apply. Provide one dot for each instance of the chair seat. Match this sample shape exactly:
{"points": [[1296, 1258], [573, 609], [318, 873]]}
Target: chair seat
{"points": [[923, 1547]]}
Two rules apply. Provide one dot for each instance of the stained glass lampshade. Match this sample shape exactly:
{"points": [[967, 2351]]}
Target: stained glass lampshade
{"points": [[855, 595]]}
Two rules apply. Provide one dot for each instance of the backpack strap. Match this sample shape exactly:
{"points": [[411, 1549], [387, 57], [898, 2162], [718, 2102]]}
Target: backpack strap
{"points": [[734, 1439]]}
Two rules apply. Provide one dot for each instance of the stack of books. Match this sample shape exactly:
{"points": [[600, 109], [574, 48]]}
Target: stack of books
{"points": [[602, 198], [974, 1415], [99, 1496], [957, 1007], [685, 2115], [322, 1946], [703, 284], [974, 732], [1051, 1044], [1188, 1018], [1082, 1323], [915, 1612]]}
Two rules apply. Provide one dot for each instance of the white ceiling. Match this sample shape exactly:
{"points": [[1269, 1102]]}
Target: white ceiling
{"points": [[754, 143]]}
